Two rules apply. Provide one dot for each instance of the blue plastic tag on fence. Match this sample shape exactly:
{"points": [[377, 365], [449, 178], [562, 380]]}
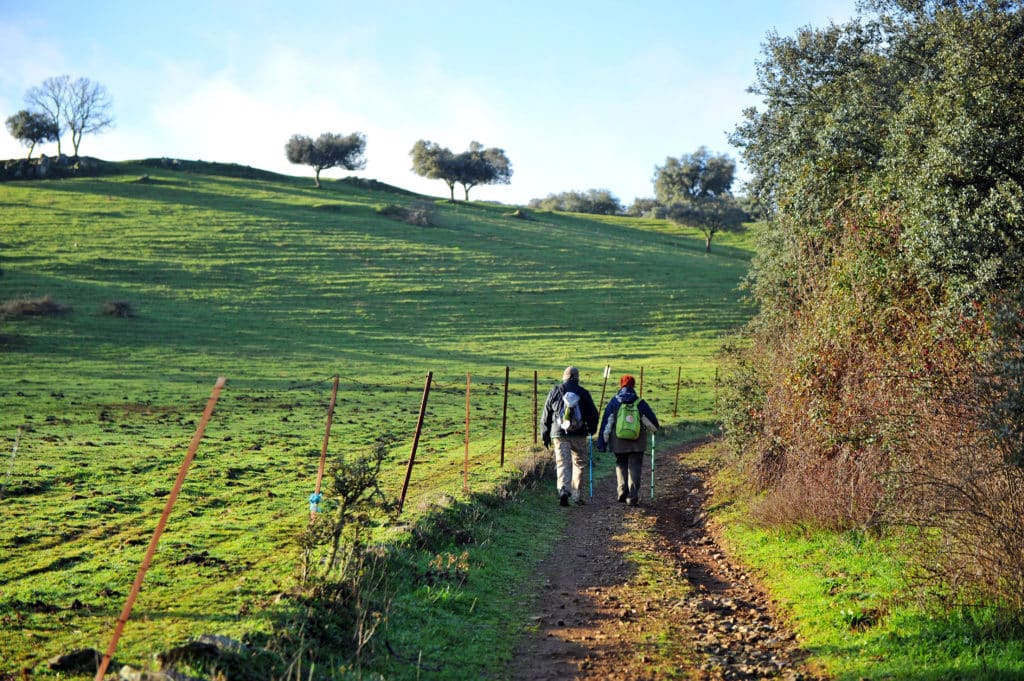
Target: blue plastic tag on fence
{"points": [[314, 502]]}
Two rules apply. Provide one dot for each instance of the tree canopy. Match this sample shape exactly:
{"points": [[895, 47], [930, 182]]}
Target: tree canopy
{"points": [[470, 168], [694, 176], [31, 129], [329, 150], [709, 214]]}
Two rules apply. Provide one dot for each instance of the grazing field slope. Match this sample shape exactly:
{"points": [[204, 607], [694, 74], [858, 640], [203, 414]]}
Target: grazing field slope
{"points": [[158, 281]]}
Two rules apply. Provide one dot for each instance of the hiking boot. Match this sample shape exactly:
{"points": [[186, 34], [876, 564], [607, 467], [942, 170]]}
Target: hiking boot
{"points": [[622, 498], [580, 502], [563, 500], [632, 502]]}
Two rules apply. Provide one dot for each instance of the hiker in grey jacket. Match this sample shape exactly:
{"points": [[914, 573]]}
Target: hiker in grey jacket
{"points": [[569, 416], [629, 454]]}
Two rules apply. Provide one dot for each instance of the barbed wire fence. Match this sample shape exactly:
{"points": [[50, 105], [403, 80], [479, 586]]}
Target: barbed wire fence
{"points": [[509, 402]]}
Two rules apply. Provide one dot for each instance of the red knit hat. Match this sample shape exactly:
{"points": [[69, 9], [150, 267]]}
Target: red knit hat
{"points": [[627, 381]]}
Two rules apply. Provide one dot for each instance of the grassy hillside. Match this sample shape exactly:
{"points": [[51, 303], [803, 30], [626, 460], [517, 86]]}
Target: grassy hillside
{"points": [[279, 286]]}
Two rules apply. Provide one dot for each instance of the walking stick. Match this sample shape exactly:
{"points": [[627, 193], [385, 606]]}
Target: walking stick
{"points": [[590, 455], [607, 373], [652, 465]]}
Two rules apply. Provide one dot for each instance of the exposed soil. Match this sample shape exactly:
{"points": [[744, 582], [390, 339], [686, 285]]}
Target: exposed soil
{"points": [[601, 617]]}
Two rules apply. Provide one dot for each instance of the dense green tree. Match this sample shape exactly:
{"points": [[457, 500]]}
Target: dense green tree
{"points": [[432, 161], [693, 176], [470, 168], [31, 129], [329, 150], [482, 166], [645, 206], [709, 214], [694, 190]]}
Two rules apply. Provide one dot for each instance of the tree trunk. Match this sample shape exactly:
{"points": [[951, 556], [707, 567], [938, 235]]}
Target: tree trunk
{"points": [[317, 178], [707, 244]]}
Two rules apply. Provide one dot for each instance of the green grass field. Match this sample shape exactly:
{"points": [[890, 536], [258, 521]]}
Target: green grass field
{"points": [[279, 286]]}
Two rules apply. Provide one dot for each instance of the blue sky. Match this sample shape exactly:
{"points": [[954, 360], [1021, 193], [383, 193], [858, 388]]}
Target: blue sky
{"points": [[580, 94]]}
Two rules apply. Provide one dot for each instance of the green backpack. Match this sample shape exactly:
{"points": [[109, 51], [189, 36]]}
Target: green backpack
{"points": [[627, 421]]}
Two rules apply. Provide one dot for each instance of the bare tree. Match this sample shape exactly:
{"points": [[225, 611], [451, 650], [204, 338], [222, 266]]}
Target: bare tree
{"points": [[79, 106], [50, 99], [87, 109]]}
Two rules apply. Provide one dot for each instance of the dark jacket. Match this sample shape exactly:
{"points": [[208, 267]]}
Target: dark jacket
{"points": [[549, 420], [606, 437]]}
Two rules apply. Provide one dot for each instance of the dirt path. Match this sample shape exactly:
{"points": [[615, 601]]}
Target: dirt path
{"points": [[646, 593]]}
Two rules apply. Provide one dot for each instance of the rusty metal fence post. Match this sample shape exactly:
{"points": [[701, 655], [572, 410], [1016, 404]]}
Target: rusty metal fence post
{"points": [[161, 524], [314, 499], [504, 419], [415, 441], [465, 461]]}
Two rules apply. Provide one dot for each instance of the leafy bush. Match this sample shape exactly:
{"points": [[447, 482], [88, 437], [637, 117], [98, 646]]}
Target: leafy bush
{"points": [[593, 201], [882, 377]]}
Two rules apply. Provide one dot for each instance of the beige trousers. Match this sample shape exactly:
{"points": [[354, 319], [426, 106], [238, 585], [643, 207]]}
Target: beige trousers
{"points": [[570, 462]]}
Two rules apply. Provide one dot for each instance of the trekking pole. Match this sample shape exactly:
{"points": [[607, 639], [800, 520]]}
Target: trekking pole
{"points": [[590, 453], [607, 373], [652, 465]]}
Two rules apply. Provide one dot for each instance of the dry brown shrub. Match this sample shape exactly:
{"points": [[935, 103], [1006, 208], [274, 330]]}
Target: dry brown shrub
{"points": [[419, 213], [118, 308], [967, 502], [33, 307]]}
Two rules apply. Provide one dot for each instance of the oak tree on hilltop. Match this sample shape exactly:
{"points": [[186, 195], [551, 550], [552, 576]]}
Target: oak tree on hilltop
{"points": [[475, 166], [329, 150]]}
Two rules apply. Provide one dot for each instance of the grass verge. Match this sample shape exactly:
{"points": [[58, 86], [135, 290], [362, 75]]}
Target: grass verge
{"points": [[848, 598]]}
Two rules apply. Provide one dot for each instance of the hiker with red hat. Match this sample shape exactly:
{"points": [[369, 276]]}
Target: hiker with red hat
{"points": [[624, 427]]}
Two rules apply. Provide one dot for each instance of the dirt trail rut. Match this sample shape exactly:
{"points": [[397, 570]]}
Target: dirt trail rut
{"points": [[688, 613]]}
